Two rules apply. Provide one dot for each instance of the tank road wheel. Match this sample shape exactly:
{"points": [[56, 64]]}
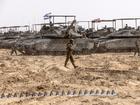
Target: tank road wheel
{"points": [[85, 51]]}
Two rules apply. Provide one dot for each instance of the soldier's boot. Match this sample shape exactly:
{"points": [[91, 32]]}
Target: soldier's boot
{"points": [[74, 65], [72, 61]]}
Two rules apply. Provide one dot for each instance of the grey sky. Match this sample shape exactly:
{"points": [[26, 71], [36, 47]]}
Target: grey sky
{"points": [[20, 12]]}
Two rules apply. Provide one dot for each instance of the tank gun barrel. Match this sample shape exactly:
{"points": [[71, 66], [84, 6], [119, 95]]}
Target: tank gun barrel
{"points": [[69, 27]]}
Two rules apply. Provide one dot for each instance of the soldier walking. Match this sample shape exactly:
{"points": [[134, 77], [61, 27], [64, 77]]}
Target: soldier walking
{"points": [[137, 48], [13, 49], [69, 55]]}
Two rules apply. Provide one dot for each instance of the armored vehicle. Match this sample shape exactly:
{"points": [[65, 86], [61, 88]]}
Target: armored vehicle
{"points": [[51, 39]]}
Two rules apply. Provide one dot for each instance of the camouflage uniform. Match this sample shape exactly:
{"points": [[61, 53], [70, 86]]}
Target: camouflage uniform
{"points": [[137, 49], [13, 49], [69, 53], [18, 48]]}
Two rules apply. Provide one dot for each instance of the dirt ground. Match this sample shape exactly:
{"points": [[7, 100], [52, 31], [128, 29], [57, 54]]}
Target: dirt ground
{"points": [[116, 71]]}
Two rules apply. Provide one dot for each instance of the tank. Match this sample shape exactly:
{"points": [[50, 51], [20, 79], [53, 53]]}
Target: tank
{"points": [[50, 40], [122, 40]]}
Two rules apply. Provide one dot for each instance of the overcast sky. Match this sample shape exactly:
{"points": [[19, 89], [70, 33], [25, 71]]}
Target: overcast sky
{"points": [[21, 12]]}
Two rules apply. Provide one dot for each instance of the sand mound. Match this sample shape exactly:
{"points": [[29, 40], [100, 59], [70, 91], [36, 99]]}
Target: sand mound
{"points": [[97, 71]]}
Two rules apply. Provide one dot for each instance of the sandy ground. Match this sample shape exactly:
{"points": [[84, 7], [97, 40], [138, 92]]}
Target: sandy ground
{"points": [[120, 72]]}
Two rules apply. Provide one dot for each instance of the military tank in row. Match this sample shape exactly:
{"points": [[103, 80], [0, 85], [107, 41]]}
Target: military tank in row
{"points": [[52, 39], [123, 40]]}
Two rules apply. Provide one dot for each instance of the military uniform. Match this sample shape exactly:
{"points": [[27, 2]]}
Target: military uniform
{"points": [[69, 55], [14, 47], [13, 50], [137, 49], [126, 26]]}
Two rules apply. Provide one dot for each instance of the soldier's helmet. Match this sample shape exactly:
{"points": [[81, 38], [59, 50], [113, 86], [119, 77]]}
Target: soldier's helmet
{"points": [[71, 40]]}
